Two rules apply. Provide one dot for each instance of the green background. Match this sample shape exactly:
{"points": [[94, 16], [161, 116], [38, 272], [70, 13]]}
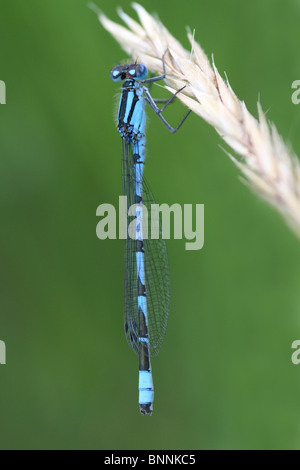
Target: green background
{"points": [[224, 378]]}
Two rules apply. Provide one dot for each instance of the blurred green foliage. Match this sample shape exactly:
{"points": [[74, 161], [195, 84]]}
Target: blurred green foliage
{"points": [[224, 378]]}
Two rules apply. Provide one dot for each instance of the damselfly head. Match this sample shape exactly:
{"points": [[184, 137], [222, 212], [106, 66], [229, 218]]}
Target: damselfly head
{"points": [[128, 71]]}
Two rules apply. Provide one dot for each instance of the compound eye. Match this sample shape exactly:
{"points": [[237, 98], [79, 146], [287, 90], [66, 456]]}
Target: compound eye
{"points": [[141, 72], [116, 74]]}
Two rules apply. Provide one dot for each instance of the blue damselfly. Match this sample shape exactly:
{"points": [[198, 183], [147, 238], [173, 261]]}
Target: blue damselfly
{"points": [[147, 279]]}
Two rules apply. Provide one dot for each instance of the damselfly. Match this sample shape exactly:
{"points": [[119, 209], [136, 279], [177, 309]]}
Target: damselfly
{"points": [[147, 279]]}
